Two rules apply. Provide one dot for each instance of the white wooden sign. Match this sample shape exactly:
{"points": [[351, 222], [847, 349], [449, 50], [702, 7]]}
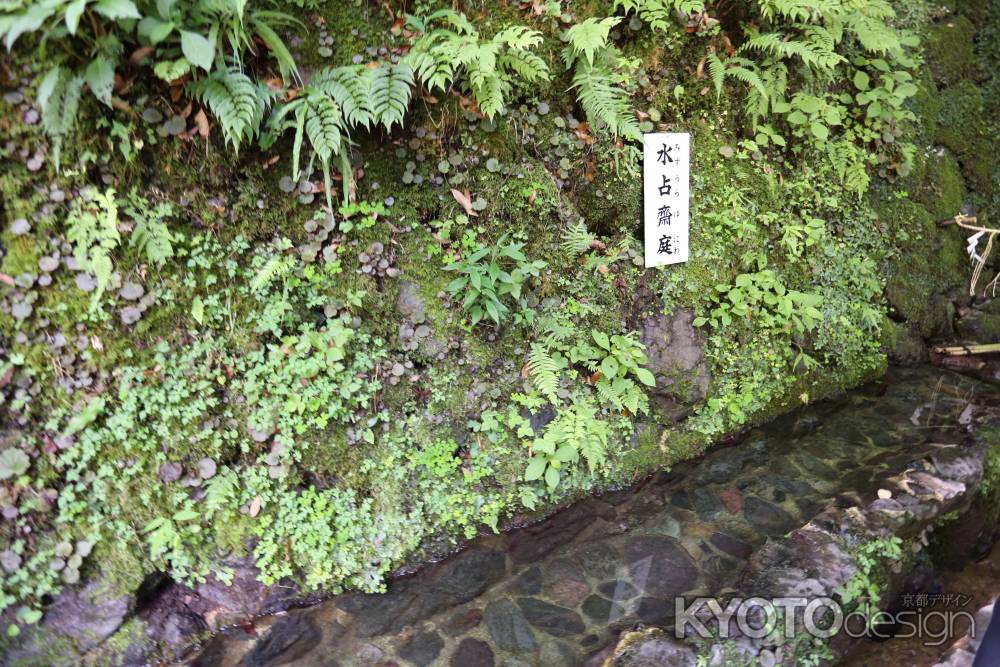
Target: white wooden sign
{"points": [[666, 194]]}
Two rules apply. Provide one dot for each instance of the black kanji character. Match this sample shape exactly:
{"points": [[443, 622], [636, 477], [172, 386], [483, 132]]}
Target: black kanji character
{"points": [[664, 215], [663, 156], [665, 245], [665, 188]]}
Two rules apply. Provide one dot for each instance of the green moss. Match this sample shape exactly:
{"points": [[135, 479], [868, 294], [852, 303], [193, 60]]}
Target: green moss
{"points": [[943, 190], [931, 261], [949, 50], [963, 129]]}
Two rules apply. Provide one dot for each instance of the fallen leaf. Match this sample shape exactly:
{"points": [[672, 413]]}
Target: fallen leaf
{"points": [[465, 201], [7, 280], [140, 54], [255, 506], [201, 121]]}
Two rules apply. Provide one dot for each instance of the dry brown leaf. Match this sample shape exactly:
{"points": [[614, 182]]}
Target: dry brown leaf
{"points": [[140, 54], [6, 280], [201, 121], [255, 506], [464, 200]]}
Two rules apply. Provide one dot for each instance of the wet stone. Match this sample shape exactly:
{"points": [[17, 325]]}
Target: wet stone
{"points": [[654, 611], [528, 583], [706, 503], [660, 565], [422, 649], [472, 653], [552, 619], [618, 590], [769, 519], [731, 546], [368, 654], [463, 621], [290, 639], [601, 609], [508, 627]]}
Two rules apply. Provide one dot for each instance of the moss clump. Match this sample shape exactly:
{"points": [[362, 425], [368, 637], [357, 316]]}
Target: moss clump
{"points": [[943, 190], [949, 51], [932, 262], [963, 129]]}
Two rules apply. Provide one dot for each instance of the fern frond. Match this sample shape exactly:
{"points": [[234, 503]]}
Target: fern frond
{"points": [[577, 239], [390, 87], [604, 100], [275, 268], [518, 37], [59, 99], [237, 102], [350, 87], [544, 372], [717, 71], [527, 65], [587, 38]]}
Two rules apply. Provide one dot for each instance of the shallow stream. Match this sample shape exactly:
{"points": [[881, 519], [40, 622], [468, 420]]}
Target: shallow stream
{"points": [[556, 593]]}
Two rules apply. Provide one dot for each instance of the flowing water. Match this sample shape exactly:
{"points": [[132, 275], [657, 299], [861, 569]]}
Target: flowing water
{"points": [[556, 593]]}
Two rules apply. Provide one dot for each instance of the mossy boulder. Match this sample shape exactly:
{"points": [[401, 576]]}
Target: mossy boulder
{"points": [[949, 50], [963, 129], [943, 190]]}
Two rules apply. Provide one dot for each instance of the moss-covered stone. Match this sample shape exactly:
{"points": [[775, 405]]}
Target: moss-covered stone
{"points": [[964, 130], [943, 190], [949, 50]]}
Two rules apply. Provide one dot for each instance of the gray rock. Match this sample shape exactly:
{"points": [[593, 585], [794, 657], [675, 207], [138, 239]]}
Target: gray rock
{"points": [[676, 358], [20, 227], [422, 649], [472, 653], [660, 565], [289, 639], [84, 616], [552, 619], [508, 627], [652, 648], [409, 303], [767, 518]]}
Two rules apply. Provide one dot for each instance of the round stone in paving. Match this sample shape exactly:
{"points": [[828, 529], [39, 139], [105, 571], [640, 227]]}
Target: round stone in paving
{"points": [[528, 583], [463, 621], [422, 649], [769, 519], [602, 610], [472, 653], [290, 639], [508, 627], [660, 565], [618, 590], [653, 611], [552, 619]]}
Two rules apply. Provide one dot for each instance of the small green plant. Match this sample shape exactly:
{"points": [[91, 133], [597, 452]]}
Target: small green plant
{"points": [[450, 48], [601, 76], [575, 432], [92, 228], [185, 36], [657, 13], [489, 277], [764, 298], [616, 362], [864, 589], [150, 235], [336, 101]]}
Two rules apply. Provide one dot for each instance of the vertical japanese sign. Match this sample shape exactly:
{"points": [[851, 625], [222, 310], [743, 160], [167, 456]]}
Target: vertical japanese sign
{"points": [[666, 189]]}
